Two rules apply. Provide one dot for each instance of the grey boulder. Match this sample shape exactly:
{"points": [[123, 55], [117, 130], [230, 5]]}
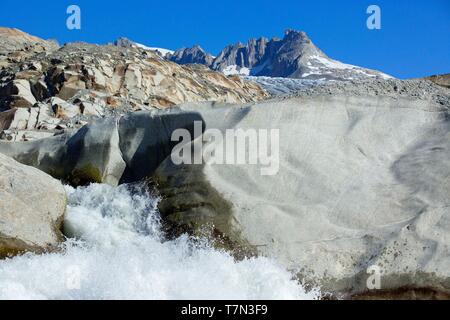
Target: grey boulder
{"points": [[32, 207], [363, 183]]}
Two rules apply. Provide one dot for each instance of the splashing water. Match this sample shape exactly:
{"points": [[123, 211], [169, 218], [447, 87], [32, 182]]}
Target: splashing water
{"points": [[120, 254]]}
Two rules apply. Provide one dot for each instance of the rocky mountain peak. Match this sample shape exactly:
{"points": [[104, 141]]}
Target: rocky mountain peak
{"points": [[291, 34], [124, 43], [261, 42], [193, 55]]}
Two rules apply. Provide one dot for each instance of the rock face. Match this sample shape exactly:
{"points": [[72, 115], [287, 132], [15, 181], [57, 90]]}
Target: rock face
{"points": [[362, 179], [294, 56], [67, 87], [18, 94], [124, 43], [191, 55], [32, 206], [112, 150], [441, 80]]}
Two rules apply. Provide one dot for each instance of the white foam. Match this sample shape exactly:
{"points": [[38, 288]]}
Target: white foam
{"points": [[120, 254]]}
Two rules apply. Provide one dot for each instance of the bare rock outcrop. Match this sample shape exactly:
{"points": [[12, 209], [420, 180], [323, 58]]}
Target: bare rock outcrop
{"points": [[17, 46], [110, 150], [78, 82]]}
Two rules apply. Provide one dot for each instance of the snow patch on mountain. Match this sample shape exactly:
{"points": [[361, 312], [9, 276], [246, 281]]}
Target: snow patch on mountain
{"points": [[163, 52], [321, 65], [127, 43], [235, 70]]}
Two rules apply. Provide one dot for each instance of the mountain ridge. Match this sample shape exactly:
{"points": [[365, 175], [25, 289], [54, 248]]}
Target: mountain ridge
{"points": [[294, 56]]}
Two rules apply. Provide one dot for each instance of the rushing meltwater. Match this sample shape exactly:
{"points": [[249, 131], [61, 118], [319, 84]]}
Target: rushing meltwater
{"points": [[116, 251]]}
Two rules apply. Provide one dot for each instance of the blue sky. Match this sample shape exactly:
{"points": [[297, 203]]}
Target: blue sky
{"points": [[414, 40]]}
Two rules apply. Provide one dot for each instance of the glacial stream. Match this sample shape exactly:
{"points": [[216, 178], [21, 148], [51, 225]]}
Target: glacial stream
{"points": [[117, 251]]}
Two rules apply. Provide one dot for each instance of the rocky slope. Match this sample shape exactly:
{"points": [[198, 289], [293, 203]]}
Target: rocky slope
{"points": [[16, 46], [51, 89], [32, 206], [441, 80], [294, 56], [362, 180]]}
